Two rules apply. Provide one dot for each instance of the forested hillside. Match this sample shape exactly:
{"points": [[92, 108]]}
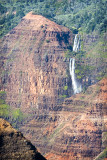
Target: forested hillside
{"points": [[82, 15]]}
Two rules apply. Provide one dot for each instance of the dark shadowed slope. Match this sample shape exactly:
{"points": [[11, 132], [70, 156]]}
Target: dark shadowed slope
{"points": [[14, 146]]}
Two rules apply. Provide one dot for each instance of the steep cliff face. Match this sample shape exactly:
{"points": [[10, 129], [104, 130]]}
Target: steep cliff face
{"points": [[81, 133], [14, 146], [35, 66], [77, 129]]}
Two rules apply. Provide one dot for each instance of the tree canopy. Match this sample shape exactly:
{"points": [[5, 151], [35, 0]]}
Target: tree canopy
{"points": [[79, 14]]}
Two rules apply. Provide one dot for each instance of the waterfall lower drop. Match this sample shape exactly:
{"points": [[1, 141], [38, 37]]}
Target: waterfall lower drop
{"points": [[75, 85]]}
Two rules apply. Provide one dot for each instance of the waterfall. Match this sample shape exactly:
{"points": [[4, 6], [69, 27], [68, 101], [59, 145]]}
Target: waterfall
{"points": [[75, 85], [76, 46]]}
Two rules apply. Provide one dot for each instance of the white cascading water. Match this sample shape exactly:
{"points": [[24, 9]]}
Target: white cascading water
{"points": [[75, 85], [76, 46]]}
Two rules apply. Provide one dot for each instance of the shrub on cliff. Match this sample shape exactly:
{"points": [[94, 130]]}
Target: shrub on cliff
{"points": [[15, 116]]}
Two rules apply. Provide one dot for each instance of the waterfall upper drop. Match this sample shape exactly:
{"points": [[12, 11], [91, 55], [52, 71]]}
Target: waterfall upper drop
{"points": [[76, 46], [75, 85]]}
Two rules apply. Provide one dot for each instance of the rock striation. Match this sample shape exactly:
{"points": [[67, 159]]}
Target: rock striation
{"points": [[14, 146], [34, 63], [76, 131]]}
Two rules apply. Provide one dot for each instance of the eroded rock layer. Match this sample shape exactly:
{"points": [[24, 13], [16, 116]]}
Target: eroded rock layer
{"points": [[77, 130]]}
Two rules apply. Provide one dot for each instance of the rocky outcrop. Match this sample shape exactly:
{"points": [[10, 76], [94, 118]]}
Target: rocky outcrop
{"points": [[14, 146]]}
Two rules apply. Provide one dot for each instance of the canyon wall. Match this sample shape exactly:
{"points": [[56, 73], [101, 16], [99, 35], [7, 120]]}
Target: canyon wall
{"points": [[35, 77], [77, 130]]}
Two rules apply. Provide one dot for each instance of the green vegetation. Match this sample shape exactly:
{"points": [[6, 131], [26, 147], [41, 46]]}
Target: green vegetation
{"points": [[86, 70], [97, 55], [98, 49], [63, 96], [102, 155], [69, 53], [82, 16], [15, 116], [104, 137], [4, 108], [2, 93], [100, 76], [87, 16], [83, 70], [47, 40], [65, 88]]}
